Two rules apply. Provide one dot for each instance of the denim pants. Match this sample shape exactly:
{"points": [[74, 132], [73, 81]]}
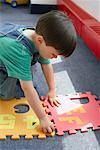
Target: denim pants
{"points": [[9, 86]]}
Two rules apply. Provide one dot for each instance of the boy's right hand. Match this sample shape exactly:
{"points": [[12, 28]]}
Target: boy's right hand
{"points": [[46, 125]]}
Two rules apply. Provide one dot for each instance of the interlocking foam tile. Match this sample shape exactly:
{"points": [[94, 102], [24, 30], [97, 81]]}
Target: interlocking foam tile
{"points": [[70, 117], [18, 124]]}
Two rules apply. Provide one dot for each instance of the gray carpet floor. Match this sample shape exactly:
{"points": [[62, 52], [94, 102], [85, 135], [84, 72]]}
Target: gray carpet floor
{"points": [[78, 73]]}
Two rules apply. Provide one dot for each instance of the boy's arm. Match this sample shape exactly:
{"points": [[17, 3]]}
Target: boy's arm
{"points": [[36, 105], [49, 76]]}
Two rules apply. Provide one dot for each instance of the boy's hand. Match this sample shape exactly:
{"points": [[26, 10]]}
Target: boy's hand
{"points": [[51, 98], [46, 125]]}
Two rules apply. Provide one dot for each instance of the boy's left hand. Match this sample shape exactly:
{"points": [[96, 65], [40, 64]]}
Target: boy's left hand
{"points": [[53, 100]]}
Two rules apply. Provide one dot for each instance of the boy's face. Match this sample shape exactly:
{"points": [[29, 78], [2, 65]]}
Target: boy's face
{"points": [[46, 51]]}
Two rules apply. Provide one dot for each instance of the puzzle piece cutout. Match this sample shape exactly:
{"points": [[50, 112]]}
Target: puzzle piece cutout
{"points": [[83, 117], [16, 124]]}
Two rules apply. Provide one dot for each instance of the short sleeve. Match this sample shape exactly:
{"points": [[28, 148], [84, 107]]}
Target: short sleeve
{"points": [[44, 60]]}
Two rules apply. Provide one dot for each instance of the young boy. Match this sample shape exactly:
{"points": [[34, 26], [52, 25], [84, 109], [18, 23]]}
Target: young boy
{"points": [[54, 35]]}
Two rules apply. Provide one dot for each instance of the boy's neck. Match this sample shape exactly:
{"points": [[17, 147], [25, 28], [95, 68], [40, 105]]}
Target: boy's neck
{"points": [[31, 34]]}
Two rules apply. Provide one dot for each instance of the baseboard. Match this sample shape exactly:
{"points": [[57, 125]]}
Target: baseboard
{"points": [[39, 8]]}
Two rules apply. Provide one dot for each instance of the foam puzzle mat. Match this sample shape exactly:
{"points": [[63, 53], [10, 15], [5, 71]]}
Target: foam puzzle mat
{"points": [[72, 115], [15, 124]]}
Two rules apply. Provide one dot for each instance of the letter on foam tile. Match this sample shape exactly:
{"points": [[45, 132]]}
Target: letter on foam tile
{"points": [[7, 121], [32, 122], [80, 110], [71, 120]]}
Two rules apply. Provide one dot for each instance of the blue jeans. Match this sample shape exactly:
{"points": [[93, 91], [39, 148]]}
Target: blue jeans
{"points": [[9, 86]]}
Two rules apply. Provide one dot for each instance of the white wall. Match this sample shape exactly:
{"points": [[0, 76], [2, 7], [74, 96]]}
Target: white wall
{"points": [[90, 6], [54, 2]]}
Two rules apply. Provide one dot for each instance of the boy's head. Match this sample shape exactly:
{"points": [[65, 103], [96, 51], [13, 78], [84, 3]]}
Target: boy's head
{"points": [[56, 35]]}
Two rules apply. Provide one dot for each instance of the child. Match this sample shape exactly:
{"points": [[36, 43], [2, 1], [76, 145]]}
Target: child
{"points": [[19, 48]]}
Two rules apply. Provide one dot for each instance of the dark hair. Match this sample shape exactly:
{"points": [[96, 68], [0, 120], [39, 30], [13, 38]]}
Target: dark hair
{"points": [[57, 31]]}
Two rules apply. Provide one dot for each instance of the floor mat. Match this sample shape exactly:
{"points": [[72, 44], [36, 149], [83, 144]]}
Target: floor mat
{"points": [[18, 119]]}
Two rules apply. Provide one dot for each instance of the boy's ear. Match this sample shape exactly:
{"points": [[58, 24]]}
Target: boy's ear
{"points": [[39, 39]]}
